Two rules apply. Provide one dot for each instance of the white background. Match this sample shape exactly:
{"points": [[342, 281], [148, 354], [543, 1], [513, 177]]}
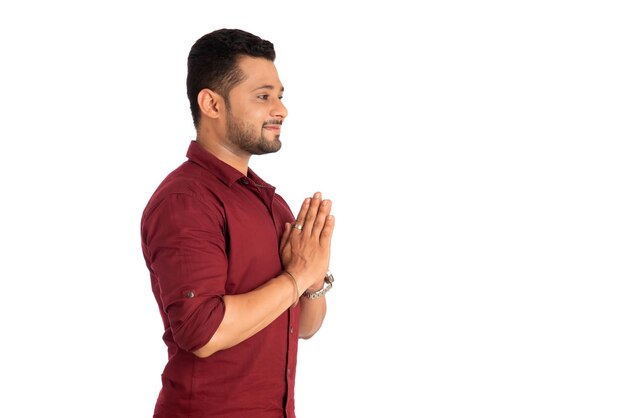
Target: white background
{"points": [[474, 152]]}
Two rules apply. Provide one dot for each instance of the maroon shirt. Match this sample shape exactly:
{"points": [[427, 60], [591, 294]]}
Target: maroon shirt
{"points": [[210, 231]]}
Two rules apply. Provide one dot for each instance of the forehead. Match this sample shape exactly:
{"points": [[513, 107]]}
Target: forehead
{"points": [[258, 72]]}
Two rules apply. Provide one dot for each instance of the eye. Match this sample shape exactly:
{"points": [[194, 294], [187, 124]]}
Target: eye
{"points": [[263, 96]]}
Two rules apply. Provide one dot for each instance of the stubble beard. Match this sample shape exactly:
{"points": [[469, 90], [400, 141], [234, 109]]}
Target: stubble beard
{"points": [[242, 135]]}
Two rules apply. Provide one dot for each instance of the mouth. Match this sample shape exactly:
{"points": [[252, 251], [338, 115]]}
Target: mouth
{"points": [[274, 128]]}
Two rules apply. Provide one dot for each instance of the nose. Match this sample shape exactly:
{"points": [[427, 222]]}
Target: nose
{"points": [[279, 110]]}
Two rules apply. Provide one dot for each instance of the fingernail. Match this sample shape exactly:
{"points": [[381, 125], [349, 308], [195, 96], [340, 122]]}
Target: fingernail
{"points": [[317, 195], [325, 203]]}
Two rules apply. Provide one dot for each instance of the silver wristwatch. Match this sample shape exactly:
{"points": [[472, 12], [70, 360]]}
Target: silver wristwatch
{"points": [[328, 284]]}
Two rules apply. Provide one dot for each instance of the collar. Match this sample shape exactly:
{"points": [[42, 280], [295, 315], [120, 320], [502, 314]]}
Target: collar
{"points": [[224, 172]]}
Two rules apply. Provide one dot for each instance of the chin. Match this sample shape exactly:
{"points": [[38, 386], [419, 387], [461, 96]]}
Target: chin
{"points": [[274, 142], [271, 150]]}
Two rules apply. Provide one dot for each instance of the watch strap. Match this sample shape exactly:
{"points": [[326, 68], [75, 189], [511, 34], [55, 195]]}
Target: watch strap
{"points": [[328, 284]]}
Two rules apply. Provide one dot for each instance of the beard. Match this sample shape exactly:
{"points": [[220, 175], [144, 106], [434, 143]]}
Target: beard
{"points": [[243, 136]]}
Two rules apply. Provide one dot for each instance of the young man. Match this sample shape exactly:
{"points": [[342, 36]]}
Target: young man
{"points": [[237, 280]]}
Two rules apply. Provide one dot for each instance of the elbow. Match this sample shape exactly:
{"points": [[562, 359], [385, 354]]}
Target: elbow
{"points": [[309, 328], [305, 335], [196, 333], [215, 344], [210, 348], [203, 352]]}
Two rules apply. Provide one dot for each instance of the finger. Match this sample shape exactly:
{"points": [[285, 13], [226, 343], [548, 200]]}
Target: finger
{"points": [[303, 211], [327, 231], [285, 237], [323, 212], [311, 214]]}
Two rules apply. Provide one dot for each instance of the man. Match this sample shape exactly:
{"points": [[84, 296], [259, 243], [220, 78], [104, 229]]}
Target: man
{"points": [[237, 280]]}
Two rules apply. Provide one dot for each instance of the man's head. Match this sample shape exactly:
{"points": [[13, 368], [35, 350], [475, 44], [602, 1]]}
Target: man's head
{"points": [[213, 63], [235, 93]]}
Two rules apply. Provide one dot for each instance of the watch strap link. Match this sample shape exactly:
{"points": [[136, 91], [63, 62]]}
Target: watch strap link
{"points": [[328, 284]]}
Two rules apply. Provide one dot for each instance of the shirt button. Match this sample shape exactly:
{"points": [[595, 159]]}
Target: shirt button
{"points": [[288, 370], [189, 294], [291, 330], [244, 181]]}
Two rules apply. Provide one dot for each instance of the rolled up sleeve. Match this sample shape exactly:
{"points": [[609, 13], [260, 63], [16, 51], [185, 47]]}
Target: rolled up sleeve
{"points": [[185, 244]]}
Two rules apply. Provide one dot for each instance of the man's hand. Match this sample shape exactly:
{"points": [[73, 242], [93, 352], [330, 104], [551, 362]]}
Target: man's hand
{"points": [[305, 244]]}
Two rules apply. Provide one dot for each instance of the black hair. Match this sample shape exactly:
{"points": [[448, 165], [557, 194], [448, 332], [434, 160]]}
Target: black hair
{"points": [[212, 63]]}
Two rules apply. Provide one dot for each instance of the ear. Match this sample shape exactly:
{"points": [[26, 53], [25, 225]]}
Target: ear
{"points": [[211, 103]]}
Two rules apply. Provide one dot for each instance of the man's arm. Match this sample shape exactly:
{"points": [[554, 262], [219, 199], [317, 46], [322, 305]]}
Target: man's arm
{"points": [[311, 316], [249, 313], [313, 312], [305, 254]]}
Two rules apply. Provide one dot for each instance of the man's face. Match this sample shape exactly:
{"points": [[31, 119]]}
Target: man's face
{"points": [[255, 111]]}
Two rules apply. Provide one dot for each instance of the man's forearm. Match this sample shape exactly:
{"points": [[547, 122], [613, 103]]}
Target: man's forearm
{"points": [[312, 315], [249, 313]]}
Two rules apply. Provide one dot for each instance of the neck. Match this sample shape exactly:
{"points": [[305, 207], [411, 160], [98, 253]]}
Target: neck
{"points": [[234, 158]]}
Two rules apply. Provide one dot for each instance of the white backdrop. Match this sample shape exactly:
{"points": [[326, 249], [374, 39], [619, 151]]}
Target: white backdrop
{"points": [[474, 152]]}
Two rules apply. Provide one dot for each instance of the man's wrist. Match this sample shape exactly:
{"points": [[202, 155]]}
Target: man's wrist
{"points": [[326, 286]]}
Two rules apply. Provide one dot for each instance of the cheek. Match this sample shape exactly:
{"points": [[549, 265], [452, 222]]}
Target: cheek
{"points": [[254, 113], [251, 116]]}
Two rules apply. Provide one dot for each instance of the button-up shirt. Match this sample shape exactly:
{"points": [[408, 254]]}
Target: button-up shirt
{"points": [[209, 231]]}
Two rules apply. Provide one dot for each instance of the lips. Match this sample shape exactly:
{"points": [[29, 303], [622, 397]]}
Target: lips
{"points": [[273, 128]]}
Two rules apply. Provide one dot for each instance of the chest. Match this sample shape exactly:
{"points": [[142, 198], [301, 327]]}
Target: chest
{"points": [[254, 224]]}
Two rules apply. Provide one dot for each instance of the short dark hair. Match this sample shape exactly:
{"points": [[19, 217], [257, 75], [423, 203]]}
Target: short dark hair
{"points": [[212, 63]]}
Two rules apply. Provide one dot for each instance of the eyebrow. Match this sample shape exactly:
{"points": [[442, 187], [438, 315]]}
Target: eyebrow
{"points": [[268, 86]]}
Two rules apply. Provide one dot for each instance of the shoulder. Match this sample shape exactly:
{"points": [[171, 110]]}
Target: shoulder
{"points": [[187, 183]]}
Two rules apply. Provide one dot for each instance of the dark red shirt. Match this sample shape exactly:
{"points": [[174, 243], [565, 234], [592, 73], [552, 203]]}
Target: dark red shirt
{"points": [[209, 231]]}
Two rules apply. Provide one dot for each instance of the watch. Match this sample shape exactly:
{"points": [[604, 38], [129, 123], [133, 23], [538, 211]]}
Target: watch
{"points": [[328, 284]]}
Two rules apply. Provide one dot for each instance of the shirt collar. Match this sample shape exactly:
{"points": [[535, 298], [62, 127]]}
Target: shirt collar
{"points": [[224, 172]]}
